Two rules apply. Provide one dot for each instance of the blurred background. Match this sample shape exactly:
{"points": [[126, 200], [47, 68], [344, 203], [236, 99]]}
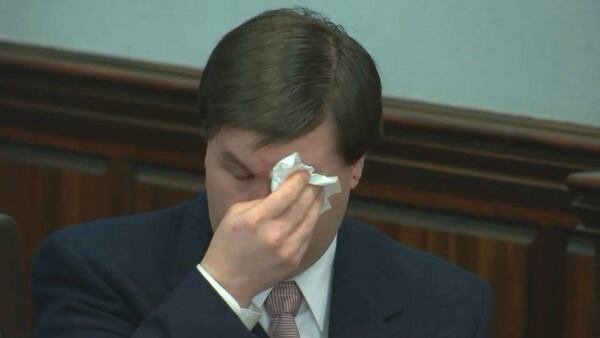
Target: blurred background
{"points": [[535, 58], [491, 157]]}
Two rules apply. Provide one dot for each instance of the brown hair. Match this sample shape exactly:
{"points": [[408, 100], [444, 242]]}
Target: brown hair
{"points": [[283, 72]]}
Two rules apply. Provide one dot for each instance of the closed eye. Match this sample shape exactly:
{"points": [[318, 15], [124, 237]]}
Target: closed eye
{"points": [[245, 177], [239, 171]]}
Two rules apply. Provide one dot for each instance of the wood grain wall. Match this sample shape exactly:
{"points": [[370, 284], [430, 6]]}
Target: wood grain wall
{"points": [[83, 137]]}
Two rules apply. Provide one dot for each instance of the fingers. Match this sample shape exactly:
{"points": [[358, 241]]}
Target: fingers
{"points": [[302, 233], [281, 199], [243, 206], [296, 216], [299, 210]]}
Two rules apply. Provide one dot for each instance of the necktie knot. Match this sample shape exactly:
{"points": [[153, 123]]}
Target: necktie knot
{"points": [[282, 305], [285, 297]]}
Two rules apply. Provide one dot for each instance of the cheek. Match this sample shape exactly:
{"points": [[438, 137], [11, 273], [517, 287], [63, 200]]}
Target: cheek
{"points": [[219, 190], [215, 200], [223, 191]]}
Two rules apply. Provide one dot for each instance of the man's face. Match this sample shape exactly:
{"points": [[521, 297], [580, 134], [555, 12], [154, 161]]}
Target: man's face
{"points": [[237, 171]]}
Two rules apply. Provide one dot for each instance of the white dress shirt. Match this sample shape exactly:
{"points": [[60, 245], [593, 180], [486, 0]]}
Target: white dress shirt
{"points": [[313, 316]]}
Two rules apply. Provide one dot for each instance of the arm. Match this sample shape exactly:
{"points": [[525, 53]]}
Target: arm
{"points": [[261, 242], [75, 300]]}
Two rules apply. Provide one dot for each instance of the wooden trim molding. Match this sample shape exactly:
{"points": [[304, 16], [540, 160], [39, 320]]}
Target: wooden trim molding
{"points": [[585, 186], [499, 165], [451, 159]]}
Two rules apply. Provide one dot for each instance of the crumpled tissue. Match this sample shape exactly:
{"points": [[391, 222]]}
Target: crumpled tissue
{"points": [[292, 163]]}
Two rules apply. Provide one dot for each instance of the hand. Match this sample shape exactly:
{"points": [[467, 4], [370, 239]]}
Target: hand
{"points": [[263, 241]]}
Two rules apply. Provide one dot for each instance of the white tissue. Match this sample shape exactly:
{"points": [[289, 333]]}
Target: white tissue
{"points": [[293, 163]]}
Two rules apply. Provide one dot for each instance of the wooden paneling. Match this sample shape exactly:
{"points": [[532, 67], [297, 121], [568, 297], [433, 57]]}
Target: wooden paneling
{"points": [[12, 306], [585, 186], [546, 281], [83, 137], [158, 188], [579, 287], [43, 198]]}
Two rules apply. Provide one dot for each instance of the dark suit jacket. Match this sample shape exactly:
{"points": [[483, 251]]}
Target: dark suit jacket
{"points": [[136, 276]]}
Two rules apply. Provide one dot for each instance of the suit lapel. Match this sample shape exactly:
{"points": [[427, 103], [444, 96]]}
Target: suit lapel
{"points": [[363, 296], [259, 332]]}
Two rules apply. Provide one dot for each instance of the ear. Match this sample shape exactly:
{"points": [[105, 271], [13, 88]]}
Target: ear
{"points": [[356, 172]]}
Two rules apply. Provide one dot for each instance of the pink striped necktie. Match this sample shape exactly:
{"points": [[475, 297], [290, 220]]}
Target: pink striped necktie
{"points": [[282, 305]]}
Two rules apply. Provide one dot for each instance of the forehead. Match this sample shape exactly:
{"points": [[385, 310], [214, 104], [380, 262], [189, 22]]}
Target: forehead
{"points": [[317, 147]]}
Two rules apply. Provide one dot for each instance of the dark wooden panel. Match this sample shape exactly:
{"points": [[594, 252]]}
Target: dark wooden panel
{"points": [[12, 320], [579, 285], [45, 199], [158, 188], [46, 91], [46, 193], [546, 284], [151, 197], [585, 186]]}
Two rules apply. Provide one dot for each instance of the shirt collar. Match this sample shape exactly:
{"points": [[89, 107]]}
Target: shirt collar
{"points": [[315, 284]]}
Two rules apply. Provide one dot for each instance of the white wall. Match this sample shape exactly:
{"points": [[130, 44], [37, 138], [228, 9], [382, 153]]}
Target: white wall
{"points": [[539, 58]]}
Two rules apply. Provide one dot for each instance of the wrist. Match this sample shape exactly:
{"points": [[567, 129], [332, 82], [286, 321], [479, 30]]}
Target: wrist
{"points": [[232, 284]]}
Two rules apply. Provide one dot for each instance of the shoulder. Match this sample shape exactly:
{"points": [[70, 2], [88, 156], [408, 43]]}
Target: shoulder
{"points": [[428, 286], [133, 247], [126, 231]]}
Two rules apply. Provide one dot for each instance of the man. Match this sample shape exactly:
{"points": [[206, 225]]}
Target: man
{"points": [[231, 263]]}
